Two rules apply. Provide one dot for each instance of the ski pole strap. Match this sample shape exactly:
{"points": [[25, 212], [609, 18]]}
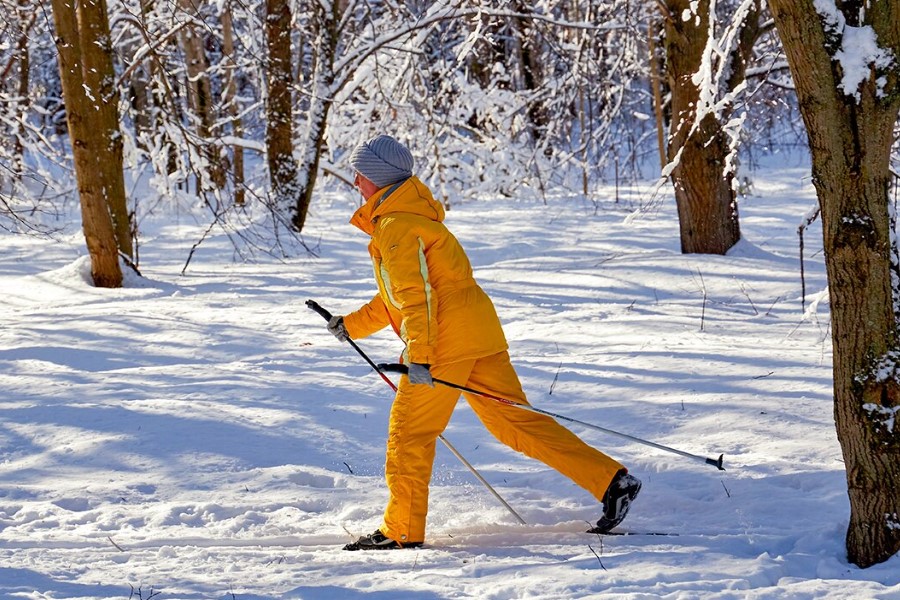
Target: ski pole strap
{"points": [[716, 462]]}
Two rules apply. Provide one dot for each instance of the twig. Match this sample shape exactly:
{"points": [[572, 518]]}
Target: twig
{"points": [[197, 243], [348, 467], [555, 380], [118, 547], [140, 594], [597, 555], [753, 306], [705, 296], [810, 218]]}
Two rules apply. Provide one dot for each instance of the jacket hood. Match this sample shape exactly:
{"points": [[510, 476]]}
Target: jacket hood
{"points": [[410, 196]]}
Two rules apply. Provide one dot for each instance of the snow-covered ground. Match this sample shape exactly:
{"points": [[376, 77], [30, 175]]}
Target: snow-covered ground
{"points": [[204, 436]]}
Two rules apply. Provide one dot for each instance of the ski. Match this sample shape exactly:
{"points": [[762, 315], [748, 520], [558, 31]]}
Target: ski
{"points": [[624, 533]]}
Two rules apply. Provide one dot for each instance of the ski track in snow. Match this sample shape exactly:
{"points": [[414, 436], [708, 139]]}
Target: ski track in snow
{"points": [[204, 436]]}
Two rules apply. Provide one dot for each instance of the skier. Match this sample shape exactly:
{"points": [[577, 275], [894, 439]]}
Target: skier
{"points": [[427, 294]]}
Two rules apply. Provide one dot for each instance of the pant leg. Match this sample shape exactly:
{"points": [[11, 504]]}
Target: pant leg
{"points": [[538, 436], [418, 416]]}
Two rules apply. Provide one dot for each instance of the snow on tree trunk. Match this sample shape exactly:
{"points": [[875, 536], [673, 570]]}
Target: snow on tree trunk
{"points": [[86, 76], [327, 17], [200, 92], [279, 119], [99, 77], [231, 102], [22, 22], [847, 75], [706, 201]]}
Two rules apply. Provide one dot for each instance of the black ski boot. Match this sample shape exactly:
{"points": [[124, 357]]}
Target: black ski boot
{"points": [[617, 500], [378, 541]]}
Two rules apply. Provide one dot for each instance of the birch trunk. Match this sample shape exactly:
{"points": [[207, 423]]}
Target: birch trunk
{"points": [[230, 99], [200, 92]]}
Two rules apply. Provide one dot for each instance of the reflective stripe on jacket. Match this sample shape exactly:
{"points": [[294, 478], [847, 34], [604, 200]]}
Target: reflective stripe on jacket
{"points": [[426, 291]]}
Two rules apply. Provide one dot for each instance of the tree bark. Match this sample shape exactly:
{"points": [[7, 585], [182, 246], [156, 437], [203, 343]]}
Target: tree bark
{"points": [[230, 98], [850, 139], [200, 92], [99, 77], [93, 142], [25, 21], [707, 205], [656, 92], [327, 17], [279, 110]]}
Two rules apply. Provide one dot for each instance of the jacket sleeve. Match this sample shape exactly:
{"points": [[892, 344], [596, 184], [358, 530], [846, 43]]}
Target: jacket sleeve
{"points": [[371, 317], [405, 276]]}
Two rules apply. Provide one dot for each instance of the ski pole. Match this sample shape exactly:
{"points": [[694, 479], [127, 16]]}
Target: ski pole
{"points": [[327, 316], [397, 368]]}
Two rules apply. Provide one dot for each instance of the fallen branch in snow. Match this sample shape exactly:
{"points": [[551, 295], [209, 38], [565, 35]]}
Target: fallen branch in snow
{"points": [[118, 547], [597, 555], [555, 380], [705, 297], [140, 596], [753, 306]]}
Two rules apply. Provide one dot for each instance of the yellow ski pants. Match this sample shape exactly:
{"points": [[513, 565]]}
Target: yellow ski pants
{"points": [[420, 414]]}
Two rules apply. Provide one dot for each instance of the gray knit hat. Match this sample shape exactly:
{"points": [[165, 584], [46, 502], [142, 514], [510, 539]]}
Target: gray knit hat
{"points": [[382, 160]]}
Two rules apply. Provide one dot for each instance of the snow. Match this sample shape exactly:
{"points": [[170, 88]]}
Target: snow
{"points": [[204, 436], [858, 54], [859, 51]]}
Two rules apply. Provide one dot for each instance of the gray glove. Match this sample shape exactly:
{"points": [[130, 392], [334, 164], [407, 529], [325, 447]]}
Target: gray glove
{"points": [[337, 329], [419, 373]]}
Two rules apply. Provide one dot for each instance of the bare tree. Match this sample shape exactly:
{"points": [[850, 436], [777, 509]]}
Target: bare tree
{"points": [[85, 65], [230, 101], [850, 112], [698, 147], [279, 112], [199, 87]]}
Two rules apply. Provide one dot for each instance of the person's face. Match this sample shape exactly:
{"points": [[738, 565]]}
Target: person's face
{"points": [[365, 187]]}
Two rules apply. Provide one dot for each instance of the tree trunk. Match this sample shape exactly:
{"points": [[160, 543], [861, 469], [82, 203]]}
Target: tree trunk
{"points": [[230, 99], [99, 77], [707, 206], [139, 88], [656, 91], [327, 17], [200, 92], [93, 143], [850, 140], [279, 115], [25, 21]]}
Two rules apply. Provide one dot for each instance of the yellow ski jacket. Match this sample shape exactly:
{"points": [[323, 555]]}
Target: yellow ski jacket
{"points": [[426, 290]]}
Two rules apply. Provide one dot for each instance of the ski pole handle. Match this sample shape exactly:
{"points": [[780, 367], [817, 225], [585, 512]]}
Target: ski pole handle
{"points": [[315, 306], [393, 368]]}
